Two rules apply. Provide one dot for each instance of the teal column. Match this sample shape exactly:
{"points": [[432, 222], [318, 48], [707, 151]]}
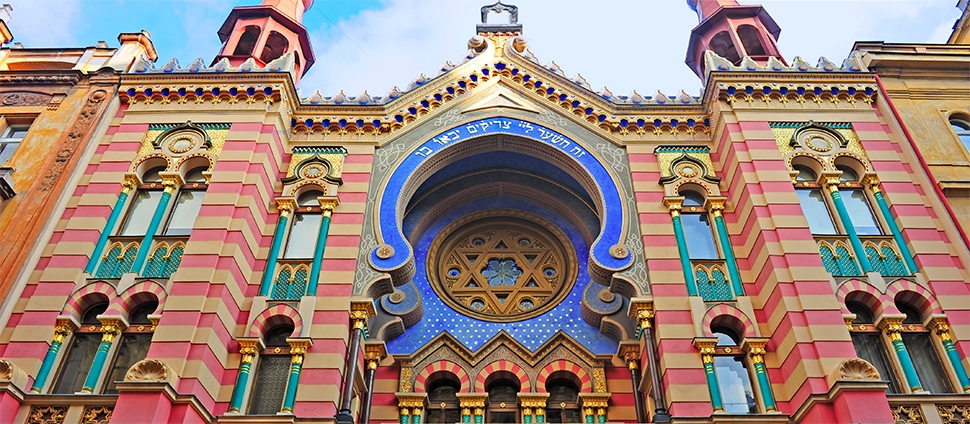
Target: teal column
{"points": [[707, 350], [127, 187], [897, 235], [274, 250], [146, 243], [540, 417], [590, 419], [602, 419], [110, 330], [674, 206], [479, 418], [328, 205], [893, 327], [416, 418], [405, 418], [860, 253], [296, 365], [722, 235], [466, 418], [60, 333], [943, 330], [247, 348]]}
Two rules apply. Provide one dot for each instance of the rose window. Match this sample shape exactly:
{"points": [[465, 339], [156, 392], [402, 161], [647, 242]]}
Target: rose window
{"points": [[502, 268]]}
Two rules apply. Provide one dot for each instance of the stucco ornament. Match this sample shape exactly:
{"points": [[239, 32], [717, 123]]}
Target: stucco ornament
{"points": [[856, 369], [149, 370]]}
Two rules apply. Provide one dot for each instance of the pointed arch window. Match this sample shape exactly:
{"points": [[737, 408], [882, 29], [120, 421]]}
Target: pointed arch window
{"points": [[133, 346], [723, 45], [751, 41], [164, 260], [733, 377], [869, 344], [272, 371], [80, 355]]}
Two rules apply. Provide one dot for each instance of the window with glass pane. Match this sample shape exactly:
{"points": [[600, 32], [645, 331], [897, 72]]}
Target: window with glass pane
{"points": [[272, 371], [133, 346], [962, 128], [184, 213], [869, 345], [141, 212], [923, 352], [80, 354], [443, 402], [816, 211], [700, 239], [735, 384], [563, 403], [12, 136], [860, 213], [303, 236]]}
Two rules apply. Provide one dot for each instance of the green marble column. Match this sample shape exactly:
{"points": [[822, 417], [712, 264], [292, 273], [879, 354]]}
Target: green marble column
{"points": [[756, 350], [893, 328], [891, 221], [247, 348], [943, 330], [297, 351], [285, 207], [717, 208], [170, 184], [328, 204], [126, 188], [61, 331], [110, 328], [860, 253], [706, 348], [674, 204]]}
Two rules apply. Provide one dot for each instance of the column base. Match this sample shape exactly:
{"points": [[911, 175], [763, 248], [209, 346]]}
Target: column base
{"points": [[344, 418], [662, 417]]}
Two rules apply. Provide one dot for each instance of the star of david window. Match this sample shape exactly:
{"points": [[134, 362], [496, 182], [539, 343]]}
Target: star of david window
{"points": [[502, 268]]}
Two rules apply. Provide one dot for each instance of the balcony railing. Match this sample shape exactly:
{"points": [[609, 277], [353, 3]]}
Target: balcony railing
{"points": [[712, 281], [920, 409], [840, 261]]}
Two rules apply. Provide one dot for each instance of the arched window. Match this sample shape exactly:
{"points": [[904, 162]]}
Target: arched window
{"points": [[732, 373], [80, 355], [133, 346], [306, 226], [857, 204], [189, 203], [962, 129], [145, 202], [751, 41], [276, 45], [269, 385], [503, 401], [813, 202], [722, 44], [247, 41], [697, 227], [443, 400], [563, 403], [869, 344], [926, 360]]}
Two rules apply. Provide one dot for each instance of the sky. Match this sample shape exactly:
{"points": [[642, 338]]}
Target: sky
{"points": [[374, 45]]}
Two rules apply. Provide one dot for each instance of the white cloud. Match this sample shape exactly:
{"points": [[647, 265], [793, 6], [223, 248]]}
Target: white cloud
{"points": [[45, 23], [623, 44]]}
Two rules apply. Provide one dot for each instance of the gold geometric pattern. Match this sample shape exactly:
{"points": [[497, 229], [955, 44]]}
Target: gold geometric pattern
{"points": [[96, 415], [907, 414], [501, 268], [954, 414], [46, 414]]}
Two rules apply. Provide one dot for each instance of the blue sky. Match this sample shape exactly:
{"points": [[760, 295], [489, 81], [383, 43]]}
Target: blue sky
{"points": [[374, 45]]}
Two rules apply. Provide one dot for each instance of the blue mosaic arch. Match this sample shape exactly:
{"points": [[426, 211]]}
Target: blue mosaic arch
{"points": [[395, 256]]}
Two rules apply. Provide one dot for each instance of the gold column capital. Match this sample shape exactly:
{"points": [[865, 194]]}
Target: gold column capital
{"points": [[630, 352], [286, 205], [893, 326], [110, 328], [715, 204], [755, 348], [849, 319], [473, 401], [374, 353], [872, 181], [248, 348], [64, 328], [414, 401], [328, 204], [642, 310], [942, 327], [130, 182], [360, 311], [706, 346], [594, 400], [171, 181], [674, 204], [298, 349]]}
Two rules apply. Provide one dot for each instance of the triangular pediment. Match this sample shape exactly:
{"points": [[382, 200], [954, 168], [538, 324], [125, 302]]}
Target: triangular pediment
{"points": [[505, 99]]}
